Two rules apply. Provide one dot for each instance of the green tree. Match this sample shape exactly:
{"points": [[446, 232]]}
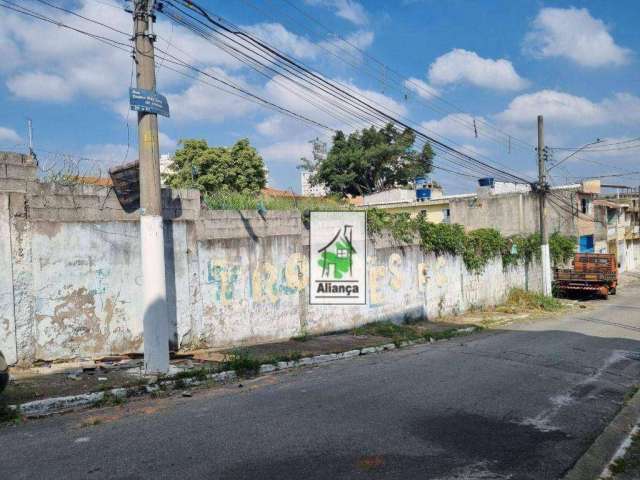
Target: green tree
{"points": [[238, 168], [372, 159]]}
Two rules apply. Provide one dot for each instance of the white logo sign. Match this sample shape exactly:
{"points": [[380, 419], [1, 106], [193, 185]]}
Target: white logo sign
{"points": [[338, 258]]}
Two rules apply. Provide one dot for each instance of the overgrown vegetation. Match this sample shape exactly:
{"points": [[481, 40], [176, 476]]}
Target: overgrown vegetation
{"points": [[109, 400], [477, 247], [561, 248], [630, 462], [519, 300], [254, 201], [408, 332], [242, 362], [291, 356], [8, 414]]}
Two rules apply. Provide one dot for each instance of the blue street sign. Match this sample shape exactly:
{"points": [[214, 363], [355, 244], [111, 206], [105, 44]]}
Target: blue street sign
{"points": [[148, 101]]}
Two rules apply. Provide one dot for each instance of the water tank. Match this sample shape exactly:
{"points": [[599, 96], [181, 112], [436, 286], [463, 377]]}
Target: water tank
{"points": [[486, 182], [423, 194]]}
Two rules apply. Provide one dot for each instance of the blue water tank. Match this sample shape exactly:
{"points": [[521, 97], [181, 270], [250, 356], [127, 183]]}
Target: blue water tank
{"points": [[423, 194], [486, 182]]}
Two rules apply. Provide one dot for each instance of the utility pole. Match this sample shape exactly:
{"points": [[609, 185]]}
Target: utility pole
{"points": [[542, 191], [154, 296]]}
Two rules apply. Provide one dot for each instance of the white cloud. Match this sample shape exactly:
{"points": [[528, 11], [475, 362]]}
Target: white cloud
{"points": [[350, 10], [362, 39], [350, 50], [65, 64], [303, 48], [567, 109], [40, 86], [574, 34], [463, 66], [272, 126], [286, 151], [284, 40], [202, 102], [9, 135], [166, 142], [473, 150], [286, 93], [68, 65], [456, 126], [422, 88]]}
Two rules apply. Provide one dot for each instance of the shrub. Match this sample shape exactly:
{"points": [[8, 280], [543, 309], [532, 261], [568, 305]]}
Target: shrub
{"points": [[523, 299], [242, 362]]}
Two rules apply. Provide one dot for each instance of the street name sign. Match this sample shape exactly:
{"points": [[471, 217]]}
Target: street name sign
{"points": [[149, 101]]}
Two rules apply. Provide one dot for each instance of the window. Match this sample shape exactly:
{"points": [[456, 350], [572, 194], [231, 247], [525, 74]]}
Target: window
{"points": [[446, 215], [584, 206]]}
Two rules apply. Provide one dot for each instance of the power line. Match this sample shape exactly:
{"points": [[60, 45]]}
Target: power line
{"points": [[121, 45], [31, 13], [337, 91], [75, 14], [386, 68], [368, 70], [438, 145], [604, 144]]}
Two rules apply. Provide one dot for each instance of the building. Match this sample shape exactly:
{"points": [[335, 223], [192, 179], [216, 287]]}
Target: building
{"points": [[309, 190], [618, 229], [319, 154], [165, 164], [396, 200], [517, 210]]}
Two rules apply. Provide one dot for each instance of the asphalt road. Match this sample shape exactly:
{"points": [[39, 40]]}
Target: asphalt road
{"points": [[523, 403]]}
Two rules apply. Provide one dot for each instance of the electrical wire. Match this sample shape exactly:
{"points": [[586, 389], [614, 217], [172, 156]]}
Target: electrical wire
{"points": [[235, 30], [121, 45], [328, 87], [402, 78], [126, 48]]}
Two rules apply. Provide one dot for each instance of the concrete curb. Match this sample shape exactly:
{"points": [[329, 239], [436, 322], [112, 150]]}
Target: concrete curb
{"points": [[57, 405], [597, 458]]}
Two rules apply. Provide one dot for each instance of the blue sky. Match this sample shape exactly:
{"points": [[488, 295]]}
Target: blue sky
{"points": [[498, 62]]}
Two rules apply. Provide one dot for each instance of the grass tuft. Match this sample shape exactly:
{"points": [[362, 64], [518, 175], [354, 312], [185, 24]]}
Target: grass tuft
{"points": [[520, 300], [109, 400], [397, 333], [292, 356], [8, 414], [242, 362]]}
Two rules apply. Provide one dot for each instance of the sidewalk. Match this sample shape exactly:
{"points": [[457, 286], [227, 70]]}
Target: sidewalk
{"points": [[82, 383]]}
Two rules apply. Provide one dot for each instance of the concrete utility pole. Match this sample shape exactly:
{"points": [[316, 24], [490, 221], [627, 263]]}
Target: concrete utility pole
{"points": [[542, 191], [154, 296]]}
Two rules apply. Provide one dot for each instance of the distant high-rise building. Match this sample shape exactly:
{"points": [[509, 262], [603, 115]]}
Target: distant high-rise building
{"points": [[309, 190], [319, 154], [165, 166]]}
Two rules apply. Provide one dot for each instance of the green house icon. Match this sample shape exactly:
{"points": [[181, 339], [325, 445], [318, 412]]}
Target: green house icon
{"points": [[336, 257]]}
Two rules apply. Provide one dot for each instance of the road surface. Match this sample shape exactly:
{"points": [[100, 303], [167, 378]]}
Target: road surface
{"points": [[522, 403]]}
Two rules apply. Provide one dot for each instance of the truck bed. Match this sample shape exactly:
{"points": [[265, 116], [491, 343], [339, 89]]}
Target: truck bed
{"points": [[570, 275]]}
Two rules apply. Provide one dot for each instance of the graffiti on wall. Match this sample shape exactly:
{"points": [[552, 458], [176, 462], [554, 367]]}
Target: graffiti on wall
{"points": [[234, 282]]}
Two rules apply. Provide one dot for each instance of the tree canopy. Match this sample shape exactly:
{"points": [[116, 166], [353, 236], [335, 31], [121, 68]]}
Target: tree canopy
{"points": [[371, 160], [238, 168]]}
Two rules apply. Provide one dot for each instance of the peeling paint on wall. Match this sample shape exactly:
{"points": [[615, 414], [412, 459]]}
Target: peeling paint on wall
{"points": [[232, 279]]}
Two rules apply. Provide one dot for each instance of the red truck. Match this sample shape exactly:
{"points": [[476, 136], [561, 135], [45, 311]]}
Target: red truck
{"points": [[594, 273]]}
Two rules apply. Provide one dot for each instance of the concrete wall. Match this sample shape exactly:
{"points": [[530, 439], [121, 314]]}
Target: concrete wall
{"points": [[71, 285], [518, 213]]}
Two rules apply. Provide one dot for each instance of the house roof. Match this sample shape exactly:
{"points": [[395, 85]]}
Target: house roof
{"points": [[609, 204]]}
